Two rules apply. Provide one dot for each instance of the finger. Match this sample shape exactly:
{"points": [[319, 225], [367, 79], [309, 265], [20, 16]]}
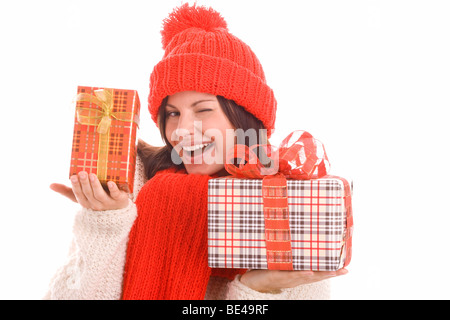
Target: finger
{"points": [[97, 189], [114, 191], [64, 190], [311, 276], [87, 190], [86, 186], [78, 192], [322, 275], [341, 272]]}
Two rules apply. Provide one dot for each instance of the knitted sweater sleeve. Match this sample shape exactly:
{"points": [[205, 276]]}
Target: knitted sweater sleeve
{"points": [[95, 263], [96, 260]]}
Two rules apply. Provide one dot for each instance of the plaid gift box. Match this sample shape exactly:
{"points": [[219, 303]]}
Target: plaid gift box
{"points": [[318, 217], [104, 136]]}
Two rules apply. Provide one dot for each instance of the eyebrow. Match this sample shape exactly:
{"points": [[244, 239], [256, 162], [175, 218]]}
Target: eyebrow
{"points": [[192, 105]]}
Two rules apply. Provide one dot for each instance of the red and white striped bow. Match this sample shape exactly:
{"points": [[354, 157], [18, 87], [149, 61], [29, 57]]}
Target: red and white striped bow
{"points": [[300, 156]]}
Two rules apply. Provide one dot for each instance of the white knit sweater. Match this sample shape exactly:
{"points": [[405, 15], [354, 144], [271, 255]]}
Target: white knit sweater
{"points": [[96, 260]]}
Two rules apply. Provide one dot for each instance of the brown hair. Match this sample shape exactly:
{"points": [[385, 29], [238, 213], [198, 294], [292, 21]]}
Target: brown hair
{"points": [[159, 158]]}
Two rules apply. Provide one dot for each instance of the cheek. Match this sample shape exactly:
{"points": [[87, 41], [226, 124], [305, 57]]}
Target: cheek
{"points": [[224, 141], [169, 131]]}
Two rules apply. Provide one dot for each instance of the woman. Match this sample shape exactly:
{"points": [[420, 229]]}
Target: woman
{"points": [[153, 244]]}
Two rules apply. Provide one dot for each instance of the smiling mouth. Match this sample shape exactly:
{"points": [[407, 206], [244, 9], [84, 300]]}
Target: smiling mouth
{"points": [[191, 151]]}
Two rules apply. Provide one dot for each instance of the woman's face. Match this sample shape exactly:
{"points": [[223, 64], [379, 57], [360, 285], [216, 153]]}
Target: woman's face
{"points": [[196, 127]]}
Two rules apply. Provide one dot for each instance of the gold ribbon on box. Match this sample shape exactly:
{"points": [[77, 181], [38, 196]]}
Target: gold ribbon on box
{"points": [[102, 118]]}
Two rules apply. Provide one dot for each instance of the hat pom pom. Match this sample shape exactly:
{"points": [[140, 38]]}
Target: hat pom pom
{"points": [[186, 17]]}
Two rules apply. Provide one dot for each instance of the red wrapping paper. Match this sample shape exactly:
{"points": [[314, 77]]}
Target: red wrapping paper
{"points": [[104, 135]]}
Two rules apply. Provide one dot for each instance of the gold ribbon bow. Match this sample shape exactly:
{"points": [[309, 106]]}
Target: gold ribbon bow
{"points": [[102, 118]]}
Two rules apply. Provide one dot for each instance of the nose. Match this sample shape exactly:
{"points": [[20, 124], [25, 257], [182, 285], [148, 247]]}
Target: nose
{"points": [[188, 126], [185, 124]]}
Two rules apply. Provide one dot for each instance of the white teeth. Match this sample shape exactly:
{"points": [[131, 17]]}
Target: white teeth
{"points": [[196, 147]]}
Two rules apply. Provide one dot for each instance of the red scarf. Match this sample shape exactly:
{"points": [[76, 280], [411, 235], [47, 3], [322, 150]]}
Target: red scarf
{"points": [[167, 255]]}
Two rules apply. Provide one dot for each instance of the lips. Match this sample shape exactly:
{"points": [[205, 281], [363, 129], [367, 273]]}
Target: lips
{"points": [[193, 148], [195, 153]]}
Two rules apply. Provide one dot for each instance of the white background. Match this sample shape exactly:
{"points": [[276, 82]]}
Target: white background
{"points": [[370, 79]]}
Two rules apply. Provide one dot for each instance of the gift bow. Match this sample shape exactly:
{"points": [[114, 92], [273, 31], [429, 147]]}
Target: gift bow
{"points": [[102, 118], [299, 156]]}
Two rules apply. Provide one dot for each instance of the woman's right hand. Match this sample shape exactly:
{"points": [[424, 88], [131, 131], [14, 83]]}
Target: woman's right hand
{"points": [[89, 193]]}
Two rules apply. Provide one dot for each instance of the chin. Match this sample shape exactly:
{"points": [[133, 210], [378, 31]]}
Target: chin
{"points": [[204, 169]]}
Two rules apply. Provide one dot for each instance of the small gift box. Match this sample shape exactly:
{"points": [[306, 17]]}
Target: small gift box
{"points": [[104, 136], [294, 218]]}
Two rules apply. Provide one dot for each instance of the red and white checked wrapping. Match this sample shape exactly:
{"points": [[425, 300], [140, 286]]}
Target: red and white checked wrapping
{"points": [[320, 220]]}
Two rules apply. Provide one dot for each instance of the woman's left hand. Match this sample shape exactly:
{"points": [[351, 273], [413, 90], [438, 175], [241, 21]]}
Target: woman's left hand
{"points": [[274, 280]]}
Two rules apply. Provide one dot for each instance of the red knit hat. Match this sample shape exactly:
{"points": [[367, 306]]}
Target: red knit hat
{"points": [[201, 55]]}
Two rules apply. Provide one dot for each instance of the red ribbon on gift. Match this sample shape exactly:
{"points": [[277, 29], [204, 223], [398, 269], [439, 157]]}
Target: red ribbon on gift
{"points": [[300, 157], [276, 223]]}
